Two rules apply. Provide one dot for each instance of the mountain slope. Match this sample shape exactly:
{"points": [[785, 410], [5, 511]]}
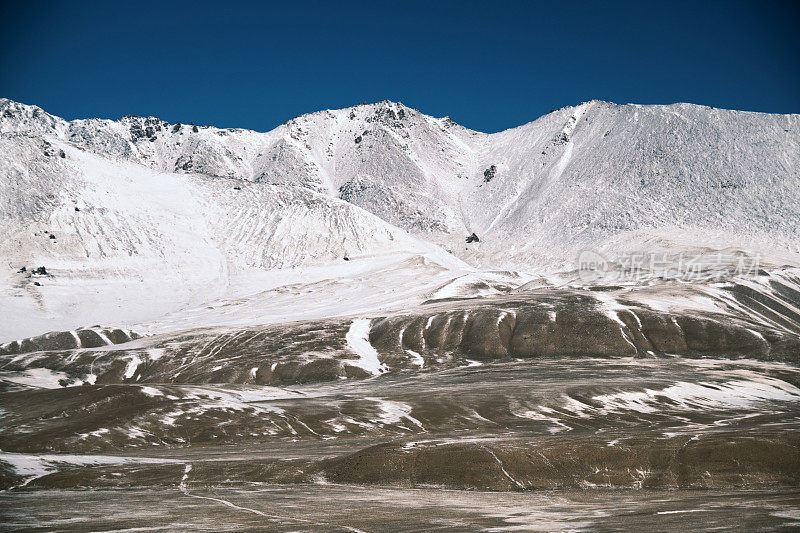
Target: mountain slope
{"points": [[588, 173], [183, 212], [122, 242], [275, 308], [598, 172]]}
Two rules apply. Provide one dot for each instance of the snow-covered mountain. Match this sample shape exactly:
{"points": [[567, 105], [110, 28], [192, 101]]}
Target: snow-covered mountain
{"points": [[371, 301], [136, 218]]}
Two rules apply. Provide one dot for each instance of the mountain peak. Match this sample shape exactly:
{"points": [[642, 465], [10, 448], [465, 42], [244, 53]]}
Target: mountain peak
{"points": [[588, 176]]}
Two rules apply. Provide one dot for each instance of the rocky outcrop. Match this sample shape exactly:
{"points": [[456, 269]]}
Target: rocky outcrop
{"points": [[489, 174]]}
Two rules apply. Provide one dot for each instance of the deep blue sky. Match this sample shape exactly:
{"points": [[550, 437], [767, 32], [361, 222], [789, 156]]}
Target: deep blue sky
{"points": [[489, 65]]}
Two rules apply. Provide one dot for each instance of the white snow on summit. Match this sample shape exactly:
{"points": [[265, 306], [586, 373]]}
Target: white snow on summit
{"points": [[137, 219]]}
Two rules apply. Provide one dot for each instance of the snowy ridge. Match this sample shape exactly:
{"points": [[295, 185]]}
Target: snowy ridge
{"points": [[148, 217], [123, 243], [617, 173]]}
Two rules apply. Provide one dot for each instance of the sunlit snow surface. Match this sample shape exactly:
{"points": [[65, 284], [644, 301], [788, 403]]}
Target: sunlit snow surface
{"points": [[150, 218]]}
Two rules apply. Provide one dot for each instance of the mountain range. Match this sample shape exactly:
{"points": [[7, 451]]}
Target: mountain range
{"points": [[137, 219], [375, 304]]}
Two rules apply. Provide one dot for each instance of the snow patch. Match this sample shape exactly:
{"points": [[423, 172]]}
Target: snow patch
{"points": [[358, 341], [37, 377]]}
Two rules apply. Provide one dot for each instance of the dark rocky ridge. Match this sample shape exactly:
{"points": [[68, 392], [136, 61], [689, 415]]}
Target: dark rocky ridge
{"points": [[721, 460], [92, 337]]}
